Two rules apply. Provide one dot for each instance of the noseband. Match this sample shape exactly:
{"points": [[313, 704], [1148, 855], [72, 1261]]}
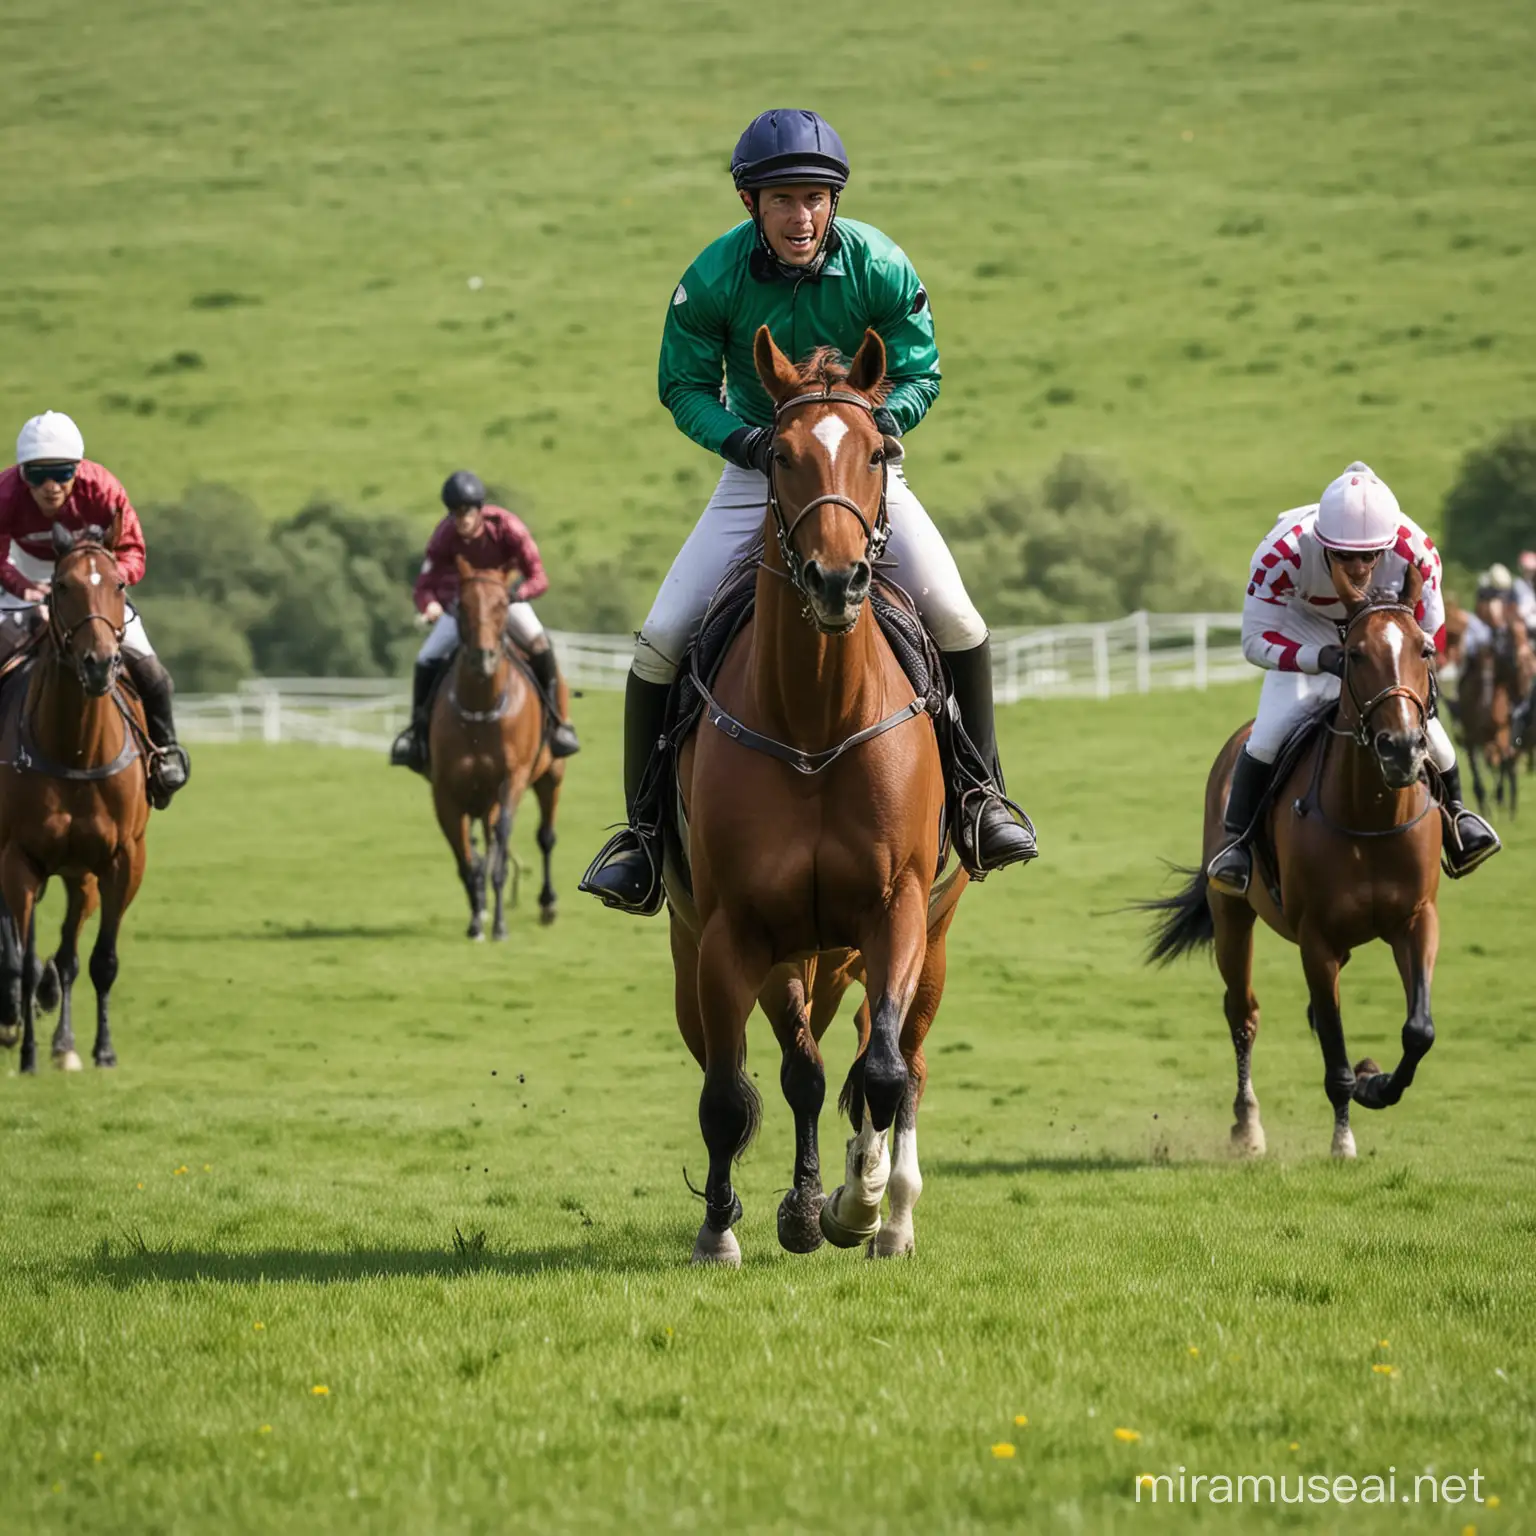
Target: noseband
{"points": [[876, 532], [1363, 711]]}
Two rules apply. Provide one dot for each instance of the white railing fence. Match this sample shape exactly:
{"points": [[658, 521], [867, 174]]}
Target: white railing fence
{"points": [[1136, 654]]}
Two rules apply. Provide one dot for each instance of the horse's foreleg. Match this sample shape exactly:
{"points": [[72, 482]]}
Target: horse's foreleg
{"points": [[1234, 921], [456, 829], [21, 887], [1321, 965], [1414, 950], [732, 970], [1474, 754], [501, 843], [548, 791], [118, 887], [67, 967]]}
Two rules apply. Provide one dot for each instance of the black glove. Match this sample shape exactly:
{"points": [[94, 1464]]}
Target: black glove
{"points": [[1331, 659], [885, 421], [749, 448]]}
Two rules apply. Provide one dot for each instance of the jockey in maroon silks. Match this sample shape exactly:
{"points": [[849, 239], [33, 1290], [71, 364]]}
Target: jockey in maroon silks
{"points": [[489, 538], [53, 484]]}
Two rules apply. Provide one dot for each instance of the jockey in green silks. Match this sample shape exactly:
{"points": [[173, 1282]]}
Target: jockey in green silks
{"points": [[814, 280]]}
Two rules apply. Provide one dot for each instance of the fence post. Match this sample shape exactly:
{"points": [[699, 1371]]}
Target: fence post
{"points": [[271, 716], [1202, 635], [1101, 661], [1143, 652]]}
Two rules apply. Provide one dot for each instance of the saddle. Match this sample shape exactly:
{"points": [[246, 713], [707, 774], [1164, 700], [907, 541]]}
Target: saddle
{"points": [[19, 750], [659, 805]]}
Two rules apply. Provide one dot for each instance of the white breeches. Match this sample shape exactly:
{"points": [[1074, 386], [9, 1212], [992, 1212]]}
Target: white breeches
{"points": [[135, 641], [733, 519], [522, 624], [1287, 696]]}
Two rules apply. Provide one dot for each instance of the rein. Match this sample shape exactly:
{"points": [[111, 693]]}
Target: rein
{"points": [[499, 709]]}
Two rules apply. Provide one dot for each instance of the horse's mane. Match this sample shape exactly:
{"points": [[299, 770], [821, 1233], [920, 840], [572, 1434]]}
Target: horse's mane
{"points": [[826, 368]]}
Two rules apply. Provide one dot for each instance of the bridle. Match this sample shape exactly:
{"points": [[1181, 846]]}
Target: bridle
{"points": [[504, 699], [877, 531], [63, 638], [1363, 711]]}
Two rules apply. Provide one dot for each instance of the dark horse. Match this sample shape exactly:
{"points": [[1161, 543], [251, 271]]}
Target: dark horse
{"points": [[1353, 838], [487, 747], [73, 797], [1492, 697], [812, 798]]}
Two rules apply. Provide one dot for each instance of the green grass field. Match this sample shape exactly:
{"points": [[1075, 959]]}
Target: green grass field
{"points": [[326, 1097], [1228, 248]]}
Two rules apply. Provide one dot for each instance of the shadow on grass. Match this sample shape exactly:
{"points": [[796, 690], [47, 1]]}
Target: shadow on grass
{"points": [[124, 1271], [988, 1167], [282, 934]]}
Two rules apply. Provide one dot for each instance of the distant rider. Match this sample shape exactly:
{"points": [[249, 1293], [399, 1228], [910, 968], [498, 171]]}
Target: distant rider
{"points": [[1291, 628], [52, 482], [489, 538], [814, 279]]}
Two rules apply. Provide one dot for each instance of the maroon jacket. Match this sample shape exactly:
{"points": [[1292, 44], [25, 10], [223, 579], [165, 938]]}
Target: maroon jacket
{"points": [[504, 544], [95, 496]]}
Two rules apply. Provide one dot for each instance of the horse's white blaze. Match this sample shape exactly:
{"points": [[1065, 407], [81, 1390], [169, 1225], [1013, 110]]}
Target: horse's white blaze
{"points": [[1395, 645], [95, 578], [830, 432]]}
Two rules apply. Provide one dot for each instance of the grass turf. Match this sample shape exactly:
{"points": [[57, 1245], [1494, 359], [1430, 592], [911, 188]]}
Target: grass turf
{"points": [[375, 1228], [1229, 249]]}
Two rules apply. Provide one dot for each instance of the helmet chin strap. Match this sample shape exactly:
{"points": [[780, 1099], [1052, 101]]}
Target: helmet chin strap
{"points": [[785, 268]]}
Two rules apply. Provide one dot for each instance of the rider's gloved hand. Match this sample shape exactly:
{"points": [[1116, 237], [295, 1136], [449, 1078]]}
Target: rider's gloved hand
{"points": [[749, 448], [1331, 659]]}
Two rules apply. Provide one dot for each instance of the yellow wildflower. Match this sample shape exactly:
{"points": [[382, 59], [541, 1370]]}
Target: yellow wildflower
{"points": [[1295, 1445], [1492, 1501], [259, 1327], [1383, 1343], [1194, 1349], [1022, 1420], [266, 1429], [177, 1173], [319, 1391], [1003, 1451], [1384, 1370], [1127, 1436], [97, 1456]]}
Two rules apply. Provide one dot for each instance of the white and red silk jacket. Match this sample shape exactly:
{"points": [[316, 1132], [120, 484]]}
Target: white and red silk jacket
{"points": [[1291, 604], [96, 496], [502, 544]]}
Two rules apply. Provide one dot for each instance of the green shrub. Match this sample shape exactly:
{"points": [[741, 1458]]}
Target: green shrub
{"points": [[1490, 511]]}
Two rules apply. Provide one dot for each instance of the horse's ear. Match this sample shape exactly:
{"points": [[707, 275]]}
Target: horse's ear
{"points": [[63, 540], [113, 536], [1413, 586], [466, 570], [867, 370], [773, 368], [1354, 598]]}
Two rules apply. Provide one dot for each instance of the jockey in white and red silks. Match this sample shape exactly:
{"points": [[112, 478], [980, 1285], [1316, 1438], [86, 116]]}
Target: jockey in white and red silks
{"points": [[489, 538], [1292, 619]]}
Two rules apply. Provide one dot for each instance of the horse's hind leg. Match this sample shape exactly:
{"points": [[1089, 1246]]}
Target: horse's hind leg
{"points": [[1234, 920], [1480, 794], [1414, 950], [548, 791], [1321, 965], [21, 888], [67, 968]]}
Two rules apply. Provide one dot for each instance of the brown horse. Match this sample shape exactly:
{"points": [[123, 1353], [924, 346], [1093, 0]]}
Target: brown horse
{"points": [[487, 746], [1354, 835], [73, 799], [1491, 693], [812, 797]]}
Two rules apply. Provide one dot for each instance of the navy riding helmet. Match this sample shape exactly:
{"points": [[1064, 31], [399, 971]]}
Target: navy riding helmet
{"points": [[463, 489], [786, 146]]}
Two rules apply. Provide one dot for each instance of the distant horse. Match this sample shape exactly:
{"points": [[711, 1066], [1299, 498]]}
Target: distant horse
{"points": [[1351, 841], [1493, 690], [73, 797], [487, 747], [812, 797]]}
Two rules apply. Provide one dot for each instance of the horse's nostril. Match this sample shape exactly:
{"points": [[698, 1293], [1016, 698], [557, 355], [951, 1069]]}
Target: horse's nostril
{"points": [[861, 578], [813, 577]]}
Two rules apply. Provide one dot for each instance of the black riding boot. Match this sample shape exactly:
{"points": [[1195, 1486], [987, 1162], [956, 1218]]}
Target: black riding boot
{"points": [[410, 746], [170, 768], [1232, 868], [1469, 840], [627, 872], [563, 741], [999, 837]]}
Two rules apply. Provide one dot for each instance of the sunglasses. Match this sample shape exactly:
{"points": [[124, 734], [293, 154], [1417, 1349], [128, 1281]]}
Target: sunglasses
{"points": [[41, 474]]}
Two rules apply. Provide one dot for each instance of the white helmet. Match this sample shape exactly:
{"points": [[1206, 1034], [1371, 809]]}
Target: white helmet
{"points": [[1358, 512], [1497, 577], [51, 436]]}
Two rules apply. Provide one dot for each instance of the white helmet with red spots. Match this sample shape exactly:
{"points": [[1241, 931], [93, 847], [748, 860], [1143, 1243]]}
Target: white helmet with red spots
{"points": [[1358, 512]]}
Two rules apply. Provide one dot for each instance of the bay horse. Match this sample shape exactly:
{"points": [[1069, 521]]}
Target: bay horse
{"points": [[1354, 839], [812, 793], [1492, 691], [73, 797], [486, 747]]}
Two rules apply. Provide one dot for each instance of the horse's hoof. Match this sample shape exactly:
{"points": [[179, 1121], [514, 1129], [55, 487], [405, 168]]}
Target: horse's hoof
{"points": [[500, 934], [799, 1227], [892, 1243], [67, 1061], [475, 935], [1248, 1141], [9, 1035], [841, 1234], [1343, 1143], [1366, 1067], [548, 914], [711, 1247], [106, 1058]]}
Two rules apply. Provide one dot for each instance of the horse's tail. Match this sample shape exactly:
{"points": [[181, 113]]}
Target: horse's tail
{"points": [[1185, 922], [851, 1100]]}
